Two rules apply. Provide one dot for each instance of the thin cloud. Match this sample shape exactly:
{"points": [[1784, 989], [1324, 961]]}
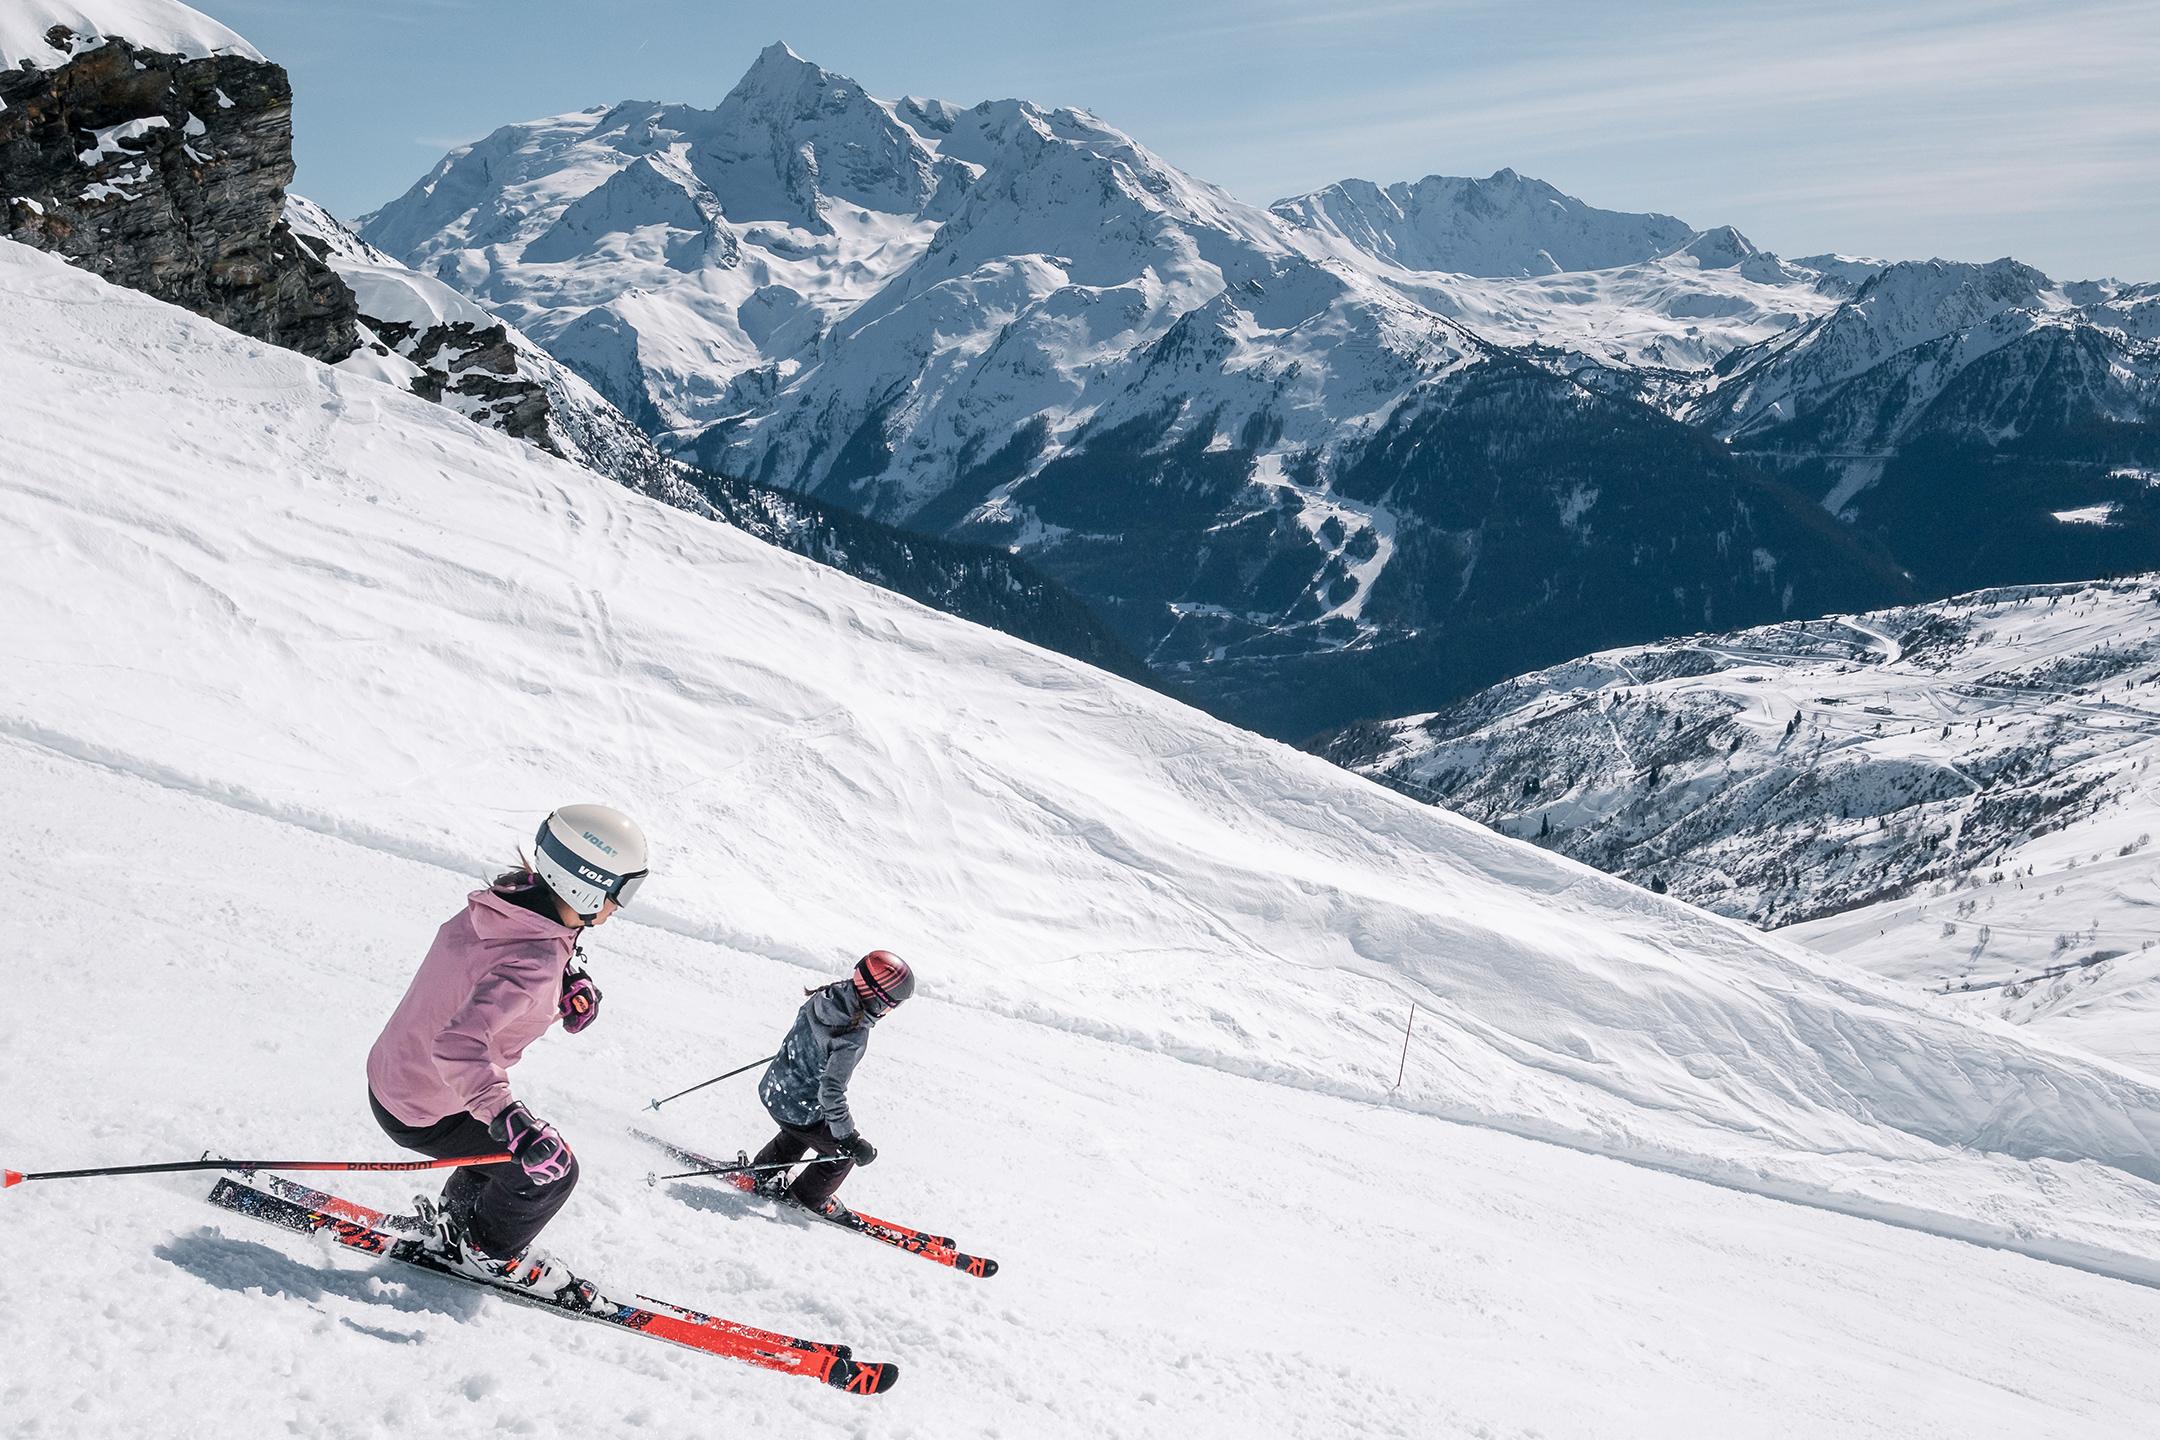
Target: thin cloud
{"points": [[1956, 127], [1697, 85], [1250, 22]]}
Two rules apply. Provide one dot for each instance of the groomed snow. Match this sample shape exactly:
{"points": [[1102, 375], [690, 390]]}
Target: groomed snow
{"points": [[292, 657], [1185, 1252], [162, 25]]}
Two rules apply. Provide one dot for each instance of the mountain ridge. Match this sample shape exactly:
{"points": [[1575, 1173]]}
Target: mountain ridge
{"points": [[1016, 325]]}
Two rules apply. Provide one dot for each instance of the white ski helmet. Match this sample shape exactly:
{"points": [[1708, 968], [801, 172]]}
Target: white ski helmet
{"points": [[588, 855]]}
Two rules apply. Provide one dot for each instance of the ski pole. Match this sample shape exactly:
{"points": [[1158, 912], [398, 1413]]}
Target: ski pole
{"points": [[716, 1079], [9, 1179], [741, 1169]]}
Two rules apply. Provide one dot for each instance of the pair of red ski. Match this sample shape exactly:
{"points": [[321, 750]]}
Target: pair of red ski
{"points": [[357, 1227], [938, 1249]]}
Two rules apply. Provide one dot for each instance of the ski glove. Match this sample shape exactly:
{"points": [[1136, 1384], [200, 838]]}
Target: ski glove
{"points": [[857, 1147], [580, 1001], [538, 1149]]}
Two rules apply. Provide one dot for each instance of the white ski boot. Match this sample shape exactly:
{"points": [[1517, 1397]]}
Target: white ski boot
{"points": [[533, 1272]]}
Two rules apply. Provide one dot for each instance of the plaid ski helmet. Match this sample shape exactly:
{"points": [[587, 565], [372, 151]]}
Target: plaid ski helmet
{"points": [[883, 980], [589, 855]]}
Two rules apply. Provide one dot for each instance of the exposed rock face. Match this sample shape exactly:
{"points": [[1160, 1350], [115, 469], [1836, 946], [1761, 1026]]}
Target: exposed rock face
{"points": [[474, 369], [168, 175]]}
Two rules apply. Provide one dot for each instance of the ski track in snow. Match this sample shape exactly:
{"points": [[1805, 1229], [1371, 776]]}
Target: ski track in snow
{"points": [[289, 645]]}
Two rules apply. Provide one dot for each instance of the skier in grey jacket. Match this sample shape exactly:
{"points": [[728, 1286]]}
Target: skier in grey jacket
{"points": [[805, 1089]]}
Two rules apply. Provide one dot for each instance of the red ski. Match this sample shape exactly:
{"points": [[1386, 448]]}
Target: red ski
{"points": [[337, 1219], [939, 1249], [353, 1210]]}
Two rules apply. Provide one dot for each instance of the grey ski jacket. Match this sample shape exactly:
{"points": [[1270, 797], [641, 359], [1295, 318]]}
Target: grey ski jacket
{"points": [[807, 1081]]}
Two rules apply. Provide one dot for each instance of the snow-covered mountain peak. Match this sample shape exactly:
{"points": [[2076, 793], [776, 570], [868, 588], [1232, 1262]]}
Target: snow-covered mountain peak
{"points": [[28, 38], [1945, 315], [1720, 248], [1063, 183], [778, 67], [1503, 225], [792, 136], [1949, 293], [1050, 301], [1839, 274], [664, 251]]}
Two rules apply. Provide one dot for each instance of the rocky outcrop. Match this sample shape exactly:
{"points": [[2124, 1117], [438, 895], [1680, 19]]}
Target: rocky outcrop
{"points": [[167, 174], [474, 370]]}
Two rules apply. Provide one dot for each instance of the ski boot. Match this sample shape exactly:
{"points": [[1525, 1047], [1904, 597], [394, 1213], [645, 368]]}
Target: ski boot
{"points": [[765, 1184], [831, 1210], [534, 1272]]}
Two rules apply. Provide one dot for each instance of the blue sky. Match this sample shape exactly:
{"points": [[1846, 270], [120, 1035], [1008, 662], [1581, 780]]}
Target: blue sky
{"points": [[1968, 130]]}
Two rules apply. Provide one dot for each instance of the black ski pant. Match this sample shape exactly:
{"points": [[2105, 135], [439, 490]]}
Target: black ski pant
{"points": [[816, 1184], [500, 1208]]}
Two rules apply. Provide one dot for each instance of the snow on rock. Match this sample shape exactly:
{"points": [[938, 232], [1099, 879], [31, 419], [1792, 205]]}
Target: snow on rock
{"points": [[1522, 264], [1075, 259], [26, 27], [109, 140], [1678, 312], [1843, 273], [146, 169]]}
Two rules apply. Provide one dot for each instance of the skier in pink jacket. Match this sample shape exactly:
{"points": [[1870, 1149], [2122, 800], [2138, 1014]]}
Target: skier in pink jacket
{"points": [[498, 975]]}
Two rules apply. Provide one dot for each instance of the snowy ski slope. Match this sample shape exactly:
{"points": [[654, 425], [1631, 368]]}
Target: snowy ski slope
{"points": [[291, 658]]}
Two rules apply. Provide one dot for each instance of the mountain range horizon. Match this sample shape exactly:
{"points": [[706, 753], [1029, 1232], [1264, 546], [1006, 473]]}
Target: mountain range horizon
{"points": [[1019, 326], [1794, 132]]}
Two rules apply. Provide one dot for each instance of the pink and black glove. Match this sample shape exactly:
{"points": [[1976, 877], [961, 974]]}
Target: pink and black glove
{"points": [[538, 1149], [580, 1001]]}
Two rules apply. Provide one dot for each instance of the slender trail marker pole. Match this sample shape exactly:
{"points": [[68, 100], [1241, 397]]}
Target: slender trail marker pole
{"points": [[9, 1179], [715, 1080], [1404, 1065]]}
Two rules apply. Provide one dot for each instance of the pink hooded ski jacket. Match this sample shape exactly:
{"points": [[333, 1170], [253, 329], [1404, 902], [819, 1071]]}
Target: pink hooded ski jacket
{"points": [[491, 985]]}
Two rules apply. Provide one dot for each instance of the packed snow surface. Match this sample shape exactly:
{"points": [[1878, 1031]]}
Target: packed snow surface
{"points": [[293, 658], [162, 25]]}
